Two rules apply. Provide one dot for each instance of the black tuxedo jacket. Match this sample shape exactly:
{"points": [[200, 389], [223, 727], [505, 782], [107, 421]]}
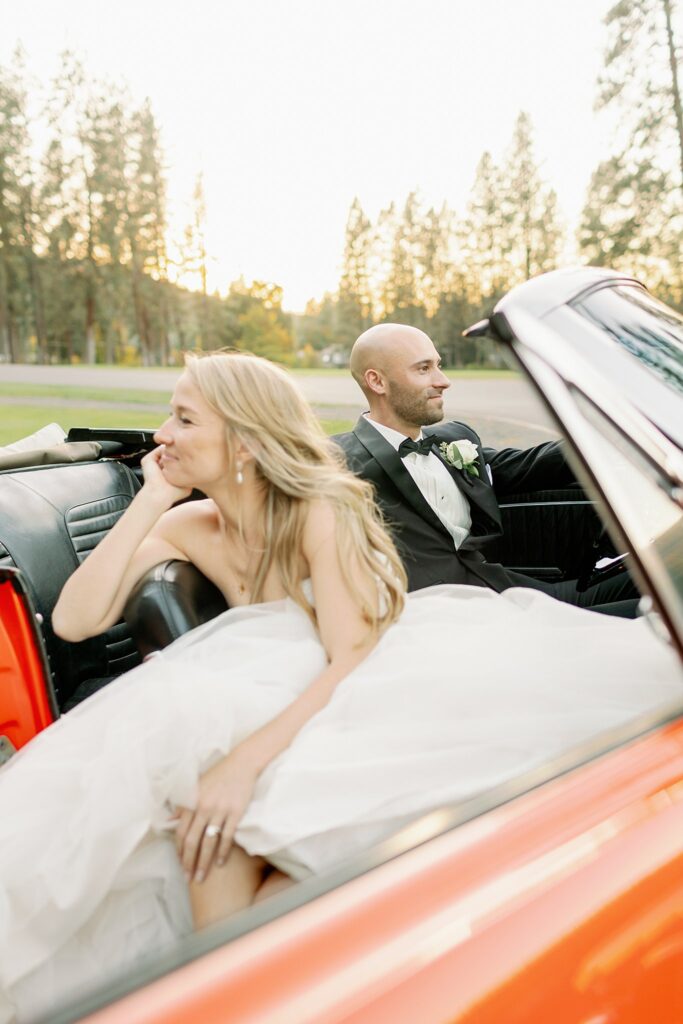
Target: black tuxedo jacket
{"points": [[424, 543]]}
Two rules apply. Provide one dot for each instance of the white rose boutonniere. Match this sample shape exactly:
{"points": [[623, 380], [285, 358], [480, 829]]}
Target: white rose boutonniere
{"points": [[461, 455]]}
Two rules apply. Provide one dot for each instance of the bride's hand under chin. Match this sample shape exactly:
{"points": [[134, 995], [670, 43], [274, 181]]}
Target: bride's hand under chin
{"points": [[156, 480]]}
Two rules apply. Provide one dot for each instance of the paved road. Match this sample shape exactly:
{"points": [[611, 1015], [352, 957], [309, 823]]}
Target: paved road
{"points": [[504, 411]]}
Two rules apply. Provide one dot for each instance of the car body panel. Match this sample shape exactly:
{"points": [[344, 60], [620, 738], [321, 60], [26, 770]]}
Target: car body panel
{"points": [[541, 910], [28, 703]]}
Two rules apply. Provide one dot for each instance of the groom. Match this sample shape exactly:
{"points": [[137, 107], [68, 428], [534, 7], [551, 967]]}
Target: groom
{"points": [[441, 498]]}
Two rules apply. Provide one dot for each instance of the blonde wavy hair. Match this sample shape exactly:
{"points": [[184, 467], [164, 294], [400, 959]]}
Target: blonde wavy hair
{"points": [[264, 410]]}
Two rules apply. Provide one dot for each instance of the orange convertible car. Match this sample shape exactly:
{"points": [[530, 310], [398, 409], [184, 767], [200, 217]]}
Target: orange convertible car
{"points": [[557, 897]]}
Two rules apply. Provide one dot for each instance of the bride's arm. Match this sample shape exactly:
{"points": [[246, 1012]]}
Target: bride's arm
{"points": [[225, 790], [346, 637], [93, 597]]}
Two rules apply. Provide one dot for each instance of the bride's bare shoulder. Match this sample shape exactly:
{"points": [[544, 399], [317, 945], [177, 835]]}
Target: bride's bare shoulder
{"points": [[190, 518], [320, 525]]}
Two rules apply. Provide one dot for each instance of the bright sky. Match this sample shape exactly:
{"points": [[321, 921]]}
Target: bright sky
{"points": [[292, 108]]}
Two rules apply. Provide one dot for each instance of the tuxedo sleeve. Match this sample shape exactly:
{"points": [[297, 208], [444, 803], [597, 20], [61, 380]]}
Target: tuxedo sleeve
{"points": [[517, 471], [355, 456]]}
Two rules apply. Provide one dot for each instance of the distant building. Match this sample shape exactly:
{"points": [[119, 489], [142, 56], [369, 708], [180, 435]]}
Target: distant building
{"points": [[335, 355]]}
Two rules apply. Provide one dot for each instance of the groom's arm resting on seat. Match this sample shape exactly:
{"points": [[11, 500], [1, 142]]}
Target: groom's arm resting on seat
{"points": [[519, 471]]}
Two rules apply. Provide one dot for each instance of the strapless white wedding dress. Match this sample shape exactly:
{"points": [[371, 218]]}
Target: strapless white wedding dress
{"points": [[468, 689]]}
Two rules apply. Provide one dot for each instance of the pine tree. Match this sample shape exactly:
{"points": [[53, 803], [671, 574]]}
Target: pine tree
{"points": [[146, 235], [434, 238], [62, 281], [482, 235], [633, 217], [641, 76], [74, 117], [13, 217], [194, 261], [531, 230], [399, 292], [355, 297]]}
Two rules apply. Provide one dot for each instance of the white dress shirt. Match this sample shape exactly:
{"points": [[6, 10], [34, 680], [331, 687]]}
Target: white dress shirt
{"points": [[436, 485]]}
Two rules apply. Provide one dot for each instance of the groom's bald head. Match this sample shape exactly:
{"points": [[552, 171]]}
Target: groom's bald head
{"points": [[398, 370], [383, 348]]}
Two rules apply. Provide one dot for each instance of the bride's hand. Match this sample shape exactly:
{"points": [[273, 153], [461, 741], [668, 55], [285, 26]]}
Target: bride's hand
{"points": [[156, 481], [204, 836]]}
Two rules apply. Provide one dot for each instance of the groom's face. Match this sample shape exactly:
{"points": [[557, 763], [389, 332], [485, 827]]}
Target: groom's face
{"points": [[415, 382]]}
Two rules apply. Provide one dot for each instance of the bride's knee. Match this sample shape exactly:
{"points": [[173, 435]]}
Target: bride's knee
{"points": [[273, 881], [227, 889]]}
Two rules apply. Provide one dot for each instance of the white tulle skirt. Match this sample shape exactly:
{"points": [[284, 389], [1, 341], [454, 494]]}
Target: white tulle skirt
{"points": [[468, 689]]}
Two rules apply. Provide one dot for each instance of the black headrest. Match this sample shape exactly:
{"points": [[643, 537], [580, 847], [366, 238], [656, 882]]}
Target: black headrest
{"points": [[169, 600]]}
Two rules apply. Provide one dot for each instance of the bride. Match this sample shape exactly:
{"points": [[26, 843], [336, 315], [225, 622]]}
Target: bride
{"points": [[320, 713]]}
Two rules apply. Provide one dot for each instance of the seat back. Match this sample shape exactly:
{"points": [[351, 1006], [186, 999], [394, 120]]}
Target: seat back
{"points": [[51, 518], [170, 599], [546, 534]]}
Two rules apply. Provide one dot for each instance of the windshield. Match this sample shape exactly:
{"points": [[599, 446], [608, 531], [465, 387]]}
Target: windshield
{"points": [[642, 325]]}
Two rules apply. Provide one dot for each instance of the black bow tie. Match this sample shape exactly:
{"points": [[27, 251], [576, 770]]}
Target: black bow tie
{"points": [[422, 447]]}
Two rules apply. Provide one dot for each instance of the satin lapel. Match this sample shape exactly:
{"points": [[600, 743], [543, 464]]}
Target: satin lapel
{"points": [[477, 492], [388, 459]]}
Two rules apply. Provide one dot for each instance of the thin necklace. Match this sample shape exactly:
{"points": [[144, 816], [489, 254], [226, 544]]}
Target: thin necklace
{"points": [[246, 577], [234, 537]]}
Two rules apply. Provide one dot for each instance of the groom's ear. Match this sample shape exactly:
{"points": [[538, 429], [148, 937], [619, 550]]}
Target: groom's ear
{"points": [[375, 382]]}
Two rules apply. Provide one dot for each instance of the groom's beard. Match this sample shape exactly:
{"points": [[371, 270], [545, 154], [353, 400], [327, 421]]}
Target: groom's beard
{"points": [[419, 409]]}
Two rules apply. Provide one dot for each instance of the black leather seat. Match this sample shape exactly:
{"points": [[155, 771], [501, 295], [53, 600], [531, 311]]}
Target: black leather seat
{"points": [[169, 600], [51, 517]]}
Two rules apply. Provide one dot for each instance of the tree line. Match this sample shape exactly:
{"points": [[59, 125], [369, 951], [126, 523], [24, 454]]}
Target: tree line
{"points": [[86, 274], [442, 273], [85, 269], [438, 272]]}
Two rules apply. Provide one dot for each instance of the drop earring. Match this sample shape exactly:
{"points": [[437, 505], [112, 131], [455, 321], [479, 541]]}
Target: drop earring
{"points": [[239, 476]]}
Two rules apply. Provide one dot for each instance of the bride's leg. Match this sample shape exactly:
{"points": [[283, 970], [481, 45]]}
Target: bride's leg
{"points": [[227, 889], [274, 882]]}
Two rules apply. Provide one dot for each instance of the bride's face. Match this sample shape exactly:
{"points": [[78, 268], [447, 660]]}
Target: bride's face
{"points": [[195, 448]]}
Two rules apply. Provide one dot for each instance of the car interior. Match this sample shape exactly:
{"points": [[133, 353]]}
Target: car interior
{"points": [[53, 513]]}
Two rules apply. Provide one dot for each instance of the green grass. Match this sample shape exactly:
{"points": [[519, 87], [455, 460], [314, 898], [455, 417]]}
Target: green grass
{"points": [[172, 371], [20, 420], [469, 372], [337, 426], [93, 394]]}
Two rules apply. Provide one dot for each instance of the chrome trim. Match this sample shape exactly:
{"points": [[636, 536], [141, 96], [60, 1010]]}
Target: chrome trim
{"points": [[546, 292], [546, 504], [556, 394], [557, 353]]}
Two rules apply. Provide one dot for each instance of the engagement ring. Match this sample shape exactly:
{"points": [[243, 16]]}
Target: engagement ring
{"points": [[211, 831]]}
